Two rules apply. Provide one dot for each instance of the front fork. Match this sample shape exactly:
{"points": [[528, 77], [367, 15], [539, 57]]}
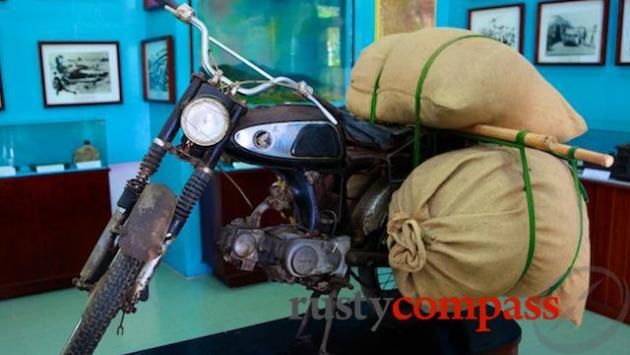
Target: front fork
{"points": [[106, 248], [189, 196]]}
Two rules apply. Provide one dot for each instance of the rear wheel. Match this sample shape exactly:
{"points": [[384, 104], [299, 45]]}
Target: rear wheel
{"points": [[378, 281], [108, 296]]}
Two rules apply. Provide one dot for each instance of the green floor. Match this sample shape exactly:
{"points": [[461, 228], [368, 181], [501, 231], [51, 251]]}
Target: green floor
{"points": [[182, 309]]}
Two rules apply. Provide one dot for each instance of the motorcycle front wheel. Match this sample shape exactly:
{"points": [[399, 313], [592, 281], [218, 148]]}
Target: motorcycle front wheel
{"points": [[108, 296]]}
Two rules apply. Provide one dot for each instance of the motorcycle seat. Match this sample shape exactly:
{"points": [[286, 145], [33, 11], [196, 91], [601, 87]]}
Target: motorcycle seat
{"points": [[373, 135]]}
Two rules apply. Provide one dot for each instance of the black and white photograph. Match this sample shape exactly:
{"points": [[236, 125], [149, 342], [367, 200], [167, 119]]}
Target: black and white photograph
{"points": [[572, 32], [623, 37], [503, 23], [158, 69], [80, 73]]}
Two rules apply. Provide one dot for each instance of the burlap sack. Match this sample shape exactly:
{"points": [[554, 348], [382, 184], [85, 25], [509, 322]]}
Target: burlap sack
{"points": [[474, 80], [459, 226]]}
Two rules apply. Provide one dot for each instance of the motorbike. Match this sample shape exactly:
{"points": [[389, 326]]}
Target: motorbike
{"points": [[314, 148]]}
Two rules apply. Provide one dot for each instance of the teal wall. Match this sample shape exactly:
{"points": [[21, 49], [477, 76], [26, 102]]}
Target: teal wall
{"points": [[25, 22], [599, 93]]}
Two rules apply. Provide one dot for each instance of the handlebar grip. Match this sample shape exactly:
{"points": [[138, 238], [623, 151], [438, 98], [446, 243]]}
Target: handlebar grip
{"points": [[170, 3]]}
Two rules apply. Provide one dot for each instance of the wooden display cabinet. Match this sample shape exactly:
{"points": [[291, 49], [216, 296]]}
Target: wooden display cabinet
{"points": [[48, 227], [609, 215]]}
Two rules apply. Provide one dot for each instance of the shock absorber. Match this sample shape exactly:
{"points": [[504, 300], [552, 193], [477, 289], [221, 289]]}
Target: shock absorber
{"points": [[188, 198], [149, 165]]}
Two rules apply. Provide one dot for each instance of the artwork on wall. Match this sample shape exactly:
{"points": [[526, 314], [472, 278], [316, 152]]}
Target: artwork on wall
{"points": [[151, 4], [80, 73], [623, 36], [572, 32], [503, 23], [396, 16], [158, 69]]}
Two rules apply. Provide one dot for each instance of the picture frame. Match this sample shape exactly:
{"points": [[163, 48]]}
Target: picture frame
{"points": [[572, 32], [151, 5], [623, 33], [158, 69], [500, 23], [80, 73]]}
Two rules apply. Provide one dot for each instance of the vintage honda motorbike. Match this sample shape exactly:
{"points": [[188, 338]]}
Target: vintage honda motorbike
{"points": [[314, 149]]}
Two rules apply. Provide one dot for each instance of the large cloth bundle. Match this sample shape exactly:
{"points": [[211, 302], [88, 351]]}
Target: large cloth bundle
{"points": [[461, 79], [459, 226]]}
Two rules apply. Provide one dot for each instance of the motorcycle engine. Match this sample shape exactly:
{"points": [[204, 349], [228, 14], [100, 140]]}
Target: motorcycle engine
{"points": [[284, 252]]}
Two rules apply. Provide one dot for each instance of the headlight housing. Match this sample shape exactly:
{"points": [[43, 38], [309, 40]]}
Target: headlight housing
{"points": [[205, 121]]}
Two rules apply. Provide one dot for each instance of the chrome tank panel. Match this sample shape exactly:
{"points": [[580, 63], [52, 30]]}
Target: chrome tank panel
{"points": [[279, 141]]}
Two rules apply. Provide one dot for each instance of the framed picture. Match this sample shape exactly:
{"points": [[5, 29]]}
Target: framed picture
{"points": [[151, 4], [158, 69], [623, 36], [503, 23], [572, 32], [80, 73]]}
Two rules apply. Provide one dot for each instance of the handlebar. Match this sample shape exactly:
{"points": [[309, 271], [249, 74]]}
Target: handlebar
{"points": [[187, 15]]}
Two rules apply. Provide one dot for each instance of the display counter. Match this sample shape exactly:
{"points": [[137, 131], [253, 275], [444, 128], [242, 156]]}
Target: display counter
{"points": [[48, 226], [609, 214]]}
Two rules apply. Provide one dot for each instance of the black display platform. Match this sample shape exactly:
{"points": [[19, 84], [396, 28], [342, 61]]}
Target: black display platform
{"points": [[353, 336]]}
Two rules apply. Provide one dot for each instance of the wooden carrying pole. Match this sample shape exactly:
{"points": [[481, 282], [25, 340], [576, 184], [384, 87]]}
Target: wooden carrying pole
{"points": [[541, 142]]}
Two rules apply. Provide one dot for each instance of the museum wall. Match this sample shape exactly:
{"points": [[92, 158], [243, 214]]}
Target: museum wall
{"points": [[69, 20], [599, 93]]}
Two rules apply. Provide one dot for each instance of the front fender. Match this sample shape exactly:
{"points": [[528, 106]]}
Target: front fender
{"points": [[142, 235]]}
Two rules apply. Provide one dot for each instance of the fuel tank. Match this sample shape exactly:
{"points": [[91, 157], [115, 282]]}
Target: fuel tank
{"points": [[291, 136]]}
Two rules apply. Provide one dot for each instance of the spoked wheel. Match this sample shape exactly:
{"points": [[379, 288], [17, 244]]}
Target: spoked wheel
{"points": [[107, 298]]}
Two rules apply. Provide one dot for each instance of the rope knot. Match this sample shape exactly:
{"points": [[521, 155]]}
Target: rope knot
{"points": [[406, 247]]}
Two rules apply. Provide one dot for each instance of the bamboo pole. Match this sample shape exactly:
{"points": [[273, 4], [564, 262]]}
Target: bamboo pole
{"points": [[541, 142], [533, 140], [590, 156]]}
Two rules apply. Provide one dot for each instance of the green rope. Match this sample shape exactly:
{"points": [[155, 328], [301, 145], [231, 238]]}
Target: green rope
{"points": [[520, 141], [375, 97], [421, 80], [529, 195], [530, 203], [578, 188]]}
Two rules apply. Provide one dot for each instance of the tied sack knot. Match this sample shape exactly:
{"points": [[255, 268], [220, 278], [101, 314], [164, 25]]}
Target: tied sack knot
{"points": [[406, 248]]}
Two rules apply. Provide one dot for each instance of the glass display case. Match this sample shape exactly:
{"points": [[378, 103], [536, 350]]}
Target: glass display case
{"points": [[302, 39], [28, 149]]}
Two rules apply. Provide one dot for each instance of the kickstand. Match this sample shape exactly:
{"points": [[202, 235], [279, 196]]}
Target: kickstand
{"points": [[330, 317], [307, 316]]}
